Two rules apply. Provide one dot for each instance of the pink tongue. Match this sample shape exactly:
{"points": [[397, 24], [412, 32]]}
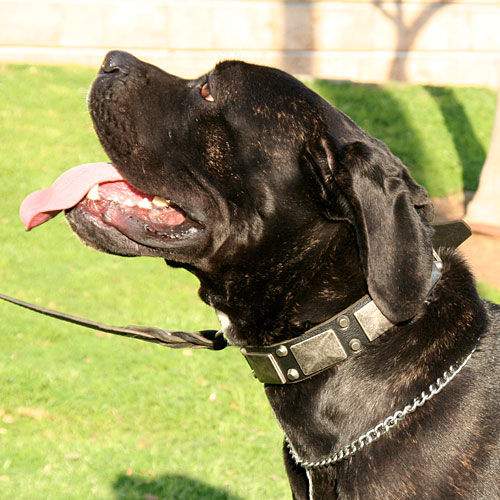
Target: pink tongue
{"points": [[66, 192]]}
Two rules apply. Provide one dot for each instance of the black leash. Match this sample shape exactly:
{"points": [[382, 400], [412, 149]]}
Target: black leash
{"points": [[446, 234], [204, 339]]}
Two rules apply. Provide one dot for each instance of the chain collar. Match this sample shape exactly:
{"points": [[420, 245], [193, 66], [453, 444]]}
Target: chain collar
{"points": [[386, 425]]}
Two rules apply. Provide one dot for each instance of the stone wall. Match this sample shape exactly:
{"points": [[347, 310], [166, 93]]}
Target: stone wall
{"points": [[426, 41]]}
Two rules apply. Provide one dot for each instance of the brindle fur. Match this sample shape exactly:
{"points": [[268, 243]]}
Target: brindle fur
{"points": [[303, 213]]}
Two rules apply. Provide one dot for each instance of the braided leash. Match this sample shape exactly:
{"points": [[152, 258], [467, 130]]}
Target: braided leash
{"points": [[204, 339]]}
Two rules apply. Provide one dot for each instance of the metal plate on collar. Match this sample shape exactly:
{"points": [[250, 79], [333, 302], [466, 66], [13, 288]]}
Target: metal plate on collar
{"points": [[265, 367], [318, 352], [372, 321]]}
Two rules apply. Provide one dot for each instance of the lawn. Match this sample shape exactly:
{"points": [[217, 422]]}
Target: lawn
{"points": [[84, 415], [441, 133]]}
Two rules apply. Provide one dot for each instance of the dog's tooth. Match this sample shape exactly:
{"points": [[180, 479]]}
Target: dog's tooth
{"points": [[160, 202], [145, 203], [128, 203], [93, 194]]}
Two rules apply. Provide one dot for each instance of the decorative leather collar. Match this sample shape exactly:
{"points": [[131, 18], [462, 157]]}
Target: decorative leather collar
{"points": [[342, 336], [319, 348]]}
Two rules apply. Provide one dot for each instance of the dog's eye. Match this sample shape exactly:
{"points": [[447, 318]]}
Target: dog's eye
{"points": [[205, 93]]}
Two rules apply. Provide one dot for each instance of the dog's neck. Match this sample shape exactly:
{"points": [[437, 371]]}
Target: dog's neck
{"points": [[267, 302], [359, 392]]}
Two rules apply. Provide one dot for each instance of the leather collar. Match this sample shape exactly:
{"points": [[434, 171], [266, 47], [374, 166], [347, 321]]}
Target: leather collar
{"points": [[321, 347], [337, 339], [344, 335]]}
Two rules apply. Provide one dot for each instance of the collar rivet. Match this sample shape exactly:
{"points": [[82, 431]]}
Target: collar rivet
{"points": [[355, 344], [281, 351], [293, 374], [343, 321]]}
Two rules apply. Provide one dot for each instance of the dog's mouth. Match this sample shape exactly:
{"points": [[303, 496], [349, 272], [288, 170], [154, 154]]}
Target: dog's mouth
{"points": [[106, 199], [144, 218]]}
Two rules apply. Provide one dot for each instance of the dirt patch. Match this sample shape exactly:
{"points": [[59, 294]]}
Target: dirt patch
{"points": [[483, 254], [481, 251]]}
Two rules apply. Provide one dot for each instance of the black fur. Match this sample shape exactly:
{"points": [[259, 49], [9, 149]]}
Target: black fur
{"points": [[300, 213]]}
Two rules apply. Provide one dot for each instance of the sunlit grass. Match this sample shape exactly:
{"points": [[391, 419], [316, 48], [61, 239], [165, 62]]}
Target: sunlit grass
{"points": [[441, 133], [89, 416]]}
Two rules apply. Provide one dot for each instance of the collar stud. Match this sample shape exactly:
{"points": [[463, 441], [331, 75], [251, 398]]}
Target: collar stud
{"points": [[355, 345], [343, 322], [281, 351]]}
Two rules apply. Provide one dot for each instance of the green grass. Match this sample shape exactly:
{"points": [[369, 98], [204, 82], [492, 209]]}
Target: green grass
{"points": [[489, 292], [87, 416], [441, 133]]}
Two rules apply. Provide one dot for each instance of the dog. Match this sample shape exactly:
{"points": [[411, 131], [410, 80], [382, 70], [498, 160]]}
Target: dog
{"points": [[289, 213]]}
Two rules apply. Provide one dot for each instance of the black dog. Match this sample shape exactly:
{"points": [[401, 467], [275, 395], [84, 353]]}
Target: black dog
{"points": [[289, 213]]}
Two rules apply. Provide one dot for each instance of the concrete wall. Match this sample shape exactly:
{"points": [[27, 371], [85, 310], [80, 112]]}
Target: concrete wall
{"points": [[428, 41]]}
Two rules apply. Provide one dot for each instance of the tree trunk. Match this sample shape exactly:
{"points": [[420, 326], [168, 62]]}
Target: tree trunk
{"points": [[483, 212]]}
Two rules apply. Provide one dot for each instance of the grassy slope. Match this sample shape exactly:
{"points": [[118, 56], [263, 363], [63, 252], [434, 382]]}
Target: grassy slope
{"points": [[86, 416]]}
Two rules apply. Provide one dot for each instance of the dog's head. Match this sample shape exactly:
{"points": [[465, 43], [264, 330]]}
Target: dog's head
{"points": [[249, 165]]}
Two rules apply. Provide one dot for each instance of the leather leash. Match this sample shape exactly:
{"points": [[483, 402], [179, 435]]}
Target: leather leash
{"points": [[446, 234], [204, 339]]}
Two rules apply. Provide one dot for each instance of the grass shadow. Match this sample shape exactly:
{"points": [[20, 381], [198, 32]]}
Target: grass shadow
{"points": [[166, 487], [470, 151]]}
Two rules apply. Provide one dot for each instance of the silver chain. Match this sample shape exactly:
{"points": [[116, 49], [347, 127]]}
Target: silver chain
{"points": [[385, 426]]}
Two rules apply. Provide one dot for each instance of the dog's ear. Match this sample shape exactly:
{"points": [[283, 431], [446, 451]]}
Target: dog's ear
{"points": [[364, 183]]}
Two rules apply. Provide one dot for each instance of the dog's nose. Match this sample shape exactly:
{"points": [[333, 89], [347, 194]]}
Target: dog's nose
{"points": [[117, 62]]}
